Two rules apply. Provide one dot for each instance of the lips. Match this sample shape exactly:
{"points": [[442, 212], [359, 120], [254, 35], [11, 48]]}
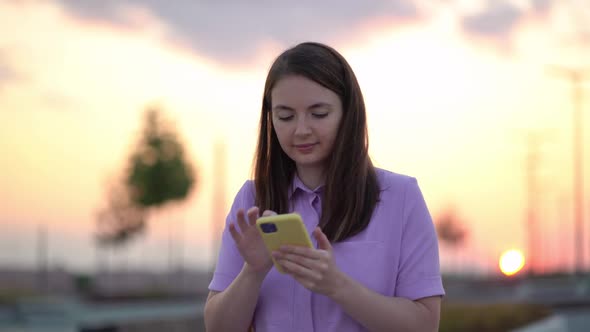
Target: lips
{"points": [[305, 148]]}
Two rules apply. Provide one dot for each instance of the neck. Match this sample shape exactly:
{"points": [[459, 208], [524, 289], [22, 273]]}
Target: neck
{"points": [[312, 177]]}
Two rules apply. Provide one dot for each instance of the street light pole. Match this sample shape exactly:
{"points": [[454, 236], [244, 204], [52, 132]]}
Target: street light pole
{"points": [[577, 77], [578, 138]]}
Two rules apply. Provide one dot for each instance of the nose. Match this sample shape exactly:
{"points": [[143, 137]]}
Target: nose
{"points": [[302, 127]]}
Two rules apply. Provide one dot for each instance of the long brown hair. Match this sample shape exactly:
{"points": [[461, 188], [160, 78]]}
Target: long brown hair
{"points": [[351, 190]]}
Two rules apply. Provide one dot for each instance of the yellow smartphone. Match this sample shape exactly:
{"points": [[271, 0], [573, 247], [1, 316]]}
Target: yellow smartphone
{"points": [[283, 229]]}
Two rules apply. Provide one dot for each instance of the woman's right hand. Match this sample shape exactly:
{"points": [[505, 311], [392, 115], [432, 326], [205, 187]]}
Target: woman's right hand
{"points": [[249, 241]]}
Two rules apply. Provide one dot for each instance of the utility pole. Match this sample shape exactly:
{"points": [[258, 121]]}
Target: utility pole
{"points": [[577, 78], [531, 184], [180, 252], [534, 141], [42, 259]]}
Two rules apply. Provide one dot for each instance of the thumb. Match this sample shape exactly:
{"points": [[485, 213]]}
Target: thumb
{"points": [[323, 242], [267, 213]]}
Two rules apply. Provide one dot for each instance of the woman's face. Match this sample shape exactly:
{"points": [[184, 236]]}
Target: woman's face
{"points": [[306, 117]]}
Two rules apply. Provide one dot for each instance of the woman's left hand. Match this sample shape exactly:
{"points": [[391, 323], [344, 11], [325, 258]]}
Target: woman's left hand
{"points": [[315, 269]]}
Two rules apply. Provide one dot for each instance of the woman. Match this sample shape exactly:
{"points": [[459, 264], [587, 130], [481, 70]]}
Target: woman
{"points": [[374, 265]]}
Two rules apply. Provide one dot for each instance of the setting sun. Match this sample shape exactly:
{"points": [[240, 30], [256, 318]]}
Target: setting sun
{"points": [[511, 262]]}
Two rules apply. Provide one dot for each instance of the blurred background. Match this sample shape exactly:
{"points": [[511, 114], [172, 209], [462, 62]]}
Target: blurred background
{"points": [[485, 102]]}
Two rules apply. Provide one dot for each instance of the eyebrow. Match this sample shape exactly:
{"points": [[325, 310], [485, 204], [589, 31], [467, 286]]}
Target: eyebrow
{"points": [[310, 107]]}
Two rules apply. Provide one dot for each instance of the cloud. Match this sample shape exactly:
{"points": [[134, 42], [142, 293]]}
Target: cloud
{"points": [[541, 5], [498, 19], [9, 75], [232, 31]]}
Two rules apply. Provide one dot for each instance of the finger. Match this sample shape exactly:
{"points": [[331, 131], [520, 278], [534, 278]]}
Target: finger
{"points": [[322, 239], [234, 233], [253, 214], [267, 213], [242, 220], [303, 251], [305, 282], [299, 271], [312, 264]]}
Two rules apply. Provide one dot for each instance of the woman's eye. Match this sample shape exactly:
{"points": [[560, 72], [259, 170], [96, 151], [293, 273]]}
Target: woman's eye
{"points": [[320, 115], [286, 118]]}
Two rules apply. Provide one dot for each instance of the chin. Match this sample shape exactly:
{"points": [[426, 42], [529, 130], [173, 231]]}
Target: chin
{"points": [[305, 162]]}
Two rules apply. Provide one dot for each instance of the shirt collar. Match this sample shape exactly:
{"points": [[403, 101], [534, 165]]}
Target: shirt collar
{"points": [[297, 184]]}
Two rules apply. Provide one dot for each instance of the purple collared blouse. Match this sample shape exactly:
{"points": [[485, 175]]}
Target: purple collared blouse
{"points": [[396, 255]]}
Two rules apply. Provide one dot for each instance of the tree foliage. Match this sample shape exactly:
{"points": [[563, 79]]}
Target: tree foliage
{"points": [[121, 219], [157, 173], [450, 229]]}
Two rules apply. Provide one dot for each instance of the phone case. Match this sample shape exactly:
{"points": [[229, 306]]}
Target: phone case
{"points": [[288, 229]]}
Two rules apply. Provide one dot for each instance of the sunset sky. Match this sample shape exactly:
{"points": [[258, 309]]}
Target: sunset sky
{"points": [[452, 89]]}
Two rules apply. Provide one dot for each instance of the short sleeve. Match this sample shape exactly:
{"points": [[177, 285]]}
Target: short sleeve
{"points": [[230, 262], [419, 267]]}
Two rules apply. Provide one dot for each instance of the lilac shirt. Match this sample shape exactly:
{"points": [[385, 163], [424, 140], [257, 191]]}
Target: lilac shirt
{"points": [[396, 255]]}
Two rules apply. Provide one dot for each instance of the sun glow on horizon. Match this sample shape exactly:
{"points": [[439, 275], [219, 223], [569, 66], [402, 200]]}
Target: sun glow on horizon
{"points": [[511, 262]]}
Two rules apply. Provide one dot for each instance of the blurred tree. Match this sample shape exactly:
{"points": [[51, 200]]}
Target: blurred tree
{"points": [[121, 219], [450, 230], [158, 173]]}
